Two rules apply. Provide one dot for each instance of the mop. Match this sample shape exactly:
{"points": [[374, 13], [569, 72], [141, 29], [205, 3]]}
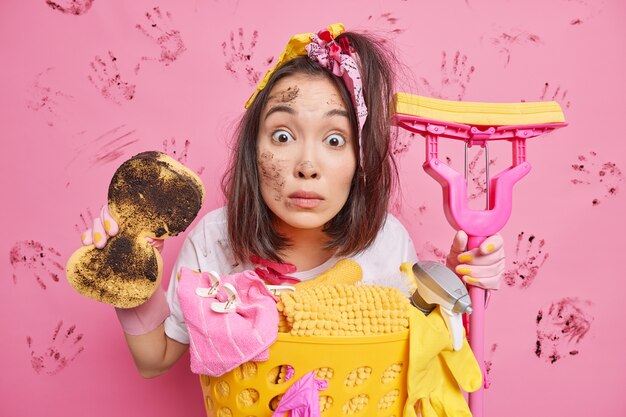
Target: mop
{"points": [[476, 124]]}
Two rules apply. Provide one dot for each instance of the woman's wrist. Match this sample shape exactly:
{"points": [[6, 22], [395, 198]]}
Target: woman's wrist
{"points": [[146, 317]]}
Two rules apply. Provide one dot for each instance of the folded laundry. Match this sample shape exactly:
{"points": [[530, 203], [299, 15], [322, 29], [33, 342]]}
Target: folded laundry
{"points": [[235, 325]]}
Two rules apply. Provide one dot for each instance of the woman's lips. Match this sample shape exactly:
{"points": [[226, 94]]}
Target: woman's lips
{"points": [[305, 199]]}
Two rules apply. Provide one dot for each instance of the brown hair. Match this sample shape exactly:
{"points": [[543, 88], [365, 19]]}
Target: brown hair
{"points": [[355, 227]]}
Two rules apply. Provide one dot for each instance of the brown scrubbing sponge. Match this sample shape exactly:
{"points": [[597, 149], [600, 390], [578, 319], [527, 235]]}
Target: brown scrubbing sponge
{"points": [[150, 195]]}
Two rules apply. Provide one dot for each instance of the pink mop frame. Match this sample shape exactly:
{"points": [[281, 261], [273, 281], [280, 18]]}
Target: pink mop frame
{"points": [[478, 224]]}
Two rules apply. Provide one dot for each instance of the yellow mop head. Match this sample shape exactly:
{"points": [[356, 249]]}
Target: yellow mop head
{"points": [[479, 114]]}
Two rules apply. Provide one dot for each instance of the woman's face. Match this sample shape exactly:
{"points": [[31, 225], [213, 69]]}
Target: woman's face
{"points": [[305, 152]]}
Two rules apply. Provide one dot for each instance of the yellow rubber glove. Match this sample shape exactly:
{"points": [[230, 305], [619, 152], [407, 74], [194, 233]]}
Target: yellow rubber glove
{"points": [[451, 372], [436, 371]]}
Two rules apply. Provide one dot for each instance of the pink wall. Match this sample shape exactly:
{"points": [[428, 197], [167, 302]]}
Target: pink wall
{"points": [[185, 72]]}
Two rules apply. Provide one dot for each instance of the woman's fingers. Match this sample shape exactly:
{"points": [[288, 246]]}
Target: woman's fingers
{"points": [[87, 237], [110, 225], [156, 243], [489, 252], [459, 244], [491, 244], [103, 227], [481, 271], [99, 235], [482, 266], [484, 276], [475, 257], [487, 283]]}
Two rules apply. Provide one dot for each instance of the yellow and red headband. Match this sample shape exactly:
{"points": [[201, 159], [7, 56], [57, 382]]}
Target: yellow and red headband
{"points": [[339, 58], [295, 47]]}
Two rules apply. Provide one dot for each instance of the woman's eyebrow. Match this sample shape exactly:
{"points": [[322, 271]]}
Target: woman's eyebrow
{"points": [[290, 110], [278, 108], [337, 112]]}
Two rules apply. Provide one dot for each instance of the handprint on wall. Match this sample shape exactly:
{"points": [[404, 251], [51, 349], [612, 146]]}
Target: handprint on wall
{"points": [[75, 7], [86, 221], [406, 210], [46, 99], [386, 23], [476, 172], [506, 41], [456, 74], [578, 12], [528, 259], [432, 252], [158, 27], [401, 142], [589, 171], [179, 152], [62, 349], [561, 328], [170, 148], [108, 81], [29, 257], [104, 149], [240, 62], [489, 365], [386, 17], [557, 94]]}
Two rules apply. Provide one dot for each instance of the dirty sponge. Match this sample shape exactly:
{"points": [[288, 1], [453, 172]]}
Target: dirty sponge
{"points": [[150, 195]]}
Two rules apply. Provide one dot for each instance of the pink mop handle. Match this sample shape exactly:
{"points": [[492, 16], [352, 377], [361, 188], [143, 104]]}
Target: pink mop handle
{"points": [[476, 332], [478, 224]]}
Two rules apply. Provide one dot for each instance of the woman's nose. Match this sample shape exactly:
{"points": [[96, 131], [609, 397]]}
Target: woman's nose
{"points": [[307, 170]]}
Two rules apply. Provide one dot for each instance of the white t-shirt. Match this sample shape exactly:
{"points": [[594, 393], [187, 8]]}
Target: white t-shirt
{"points": [[206, 248]]}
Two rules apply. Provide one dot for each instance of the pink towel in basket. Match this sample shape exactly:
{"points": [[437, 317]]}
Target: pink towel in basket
{"points": [[219, 342]]}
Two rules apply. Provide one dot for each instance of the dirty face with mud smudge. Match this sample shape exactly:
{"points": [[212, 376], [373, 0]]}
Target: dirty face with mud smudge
{"points": [[305, 151]]}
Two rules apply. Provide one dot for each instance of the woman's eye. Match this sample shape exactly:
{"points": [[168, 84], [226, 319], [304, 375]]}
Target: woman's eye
{"points": [[282, 136], [335, 140]]}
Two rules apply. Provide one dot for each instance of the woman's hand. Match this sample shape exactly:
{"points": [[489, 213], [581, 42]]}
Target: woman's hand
{"points": [[483, 266], [143, 319], [105, 227]]}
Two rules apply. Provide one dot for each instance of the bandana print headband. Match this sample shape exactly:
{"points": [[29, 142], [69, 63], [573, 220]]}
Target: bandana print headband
{"points": [[338, 58]]}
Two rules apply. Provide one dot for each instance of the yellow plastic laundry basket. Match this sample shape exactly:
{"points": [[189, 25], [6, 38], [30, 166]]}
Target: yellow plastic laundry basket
{"points": [[366, 377]]}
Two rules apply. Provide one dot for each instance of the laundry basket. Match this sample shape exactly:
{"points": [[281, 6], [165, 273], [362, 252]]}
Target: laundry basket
{"points": [[366, 377]]}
